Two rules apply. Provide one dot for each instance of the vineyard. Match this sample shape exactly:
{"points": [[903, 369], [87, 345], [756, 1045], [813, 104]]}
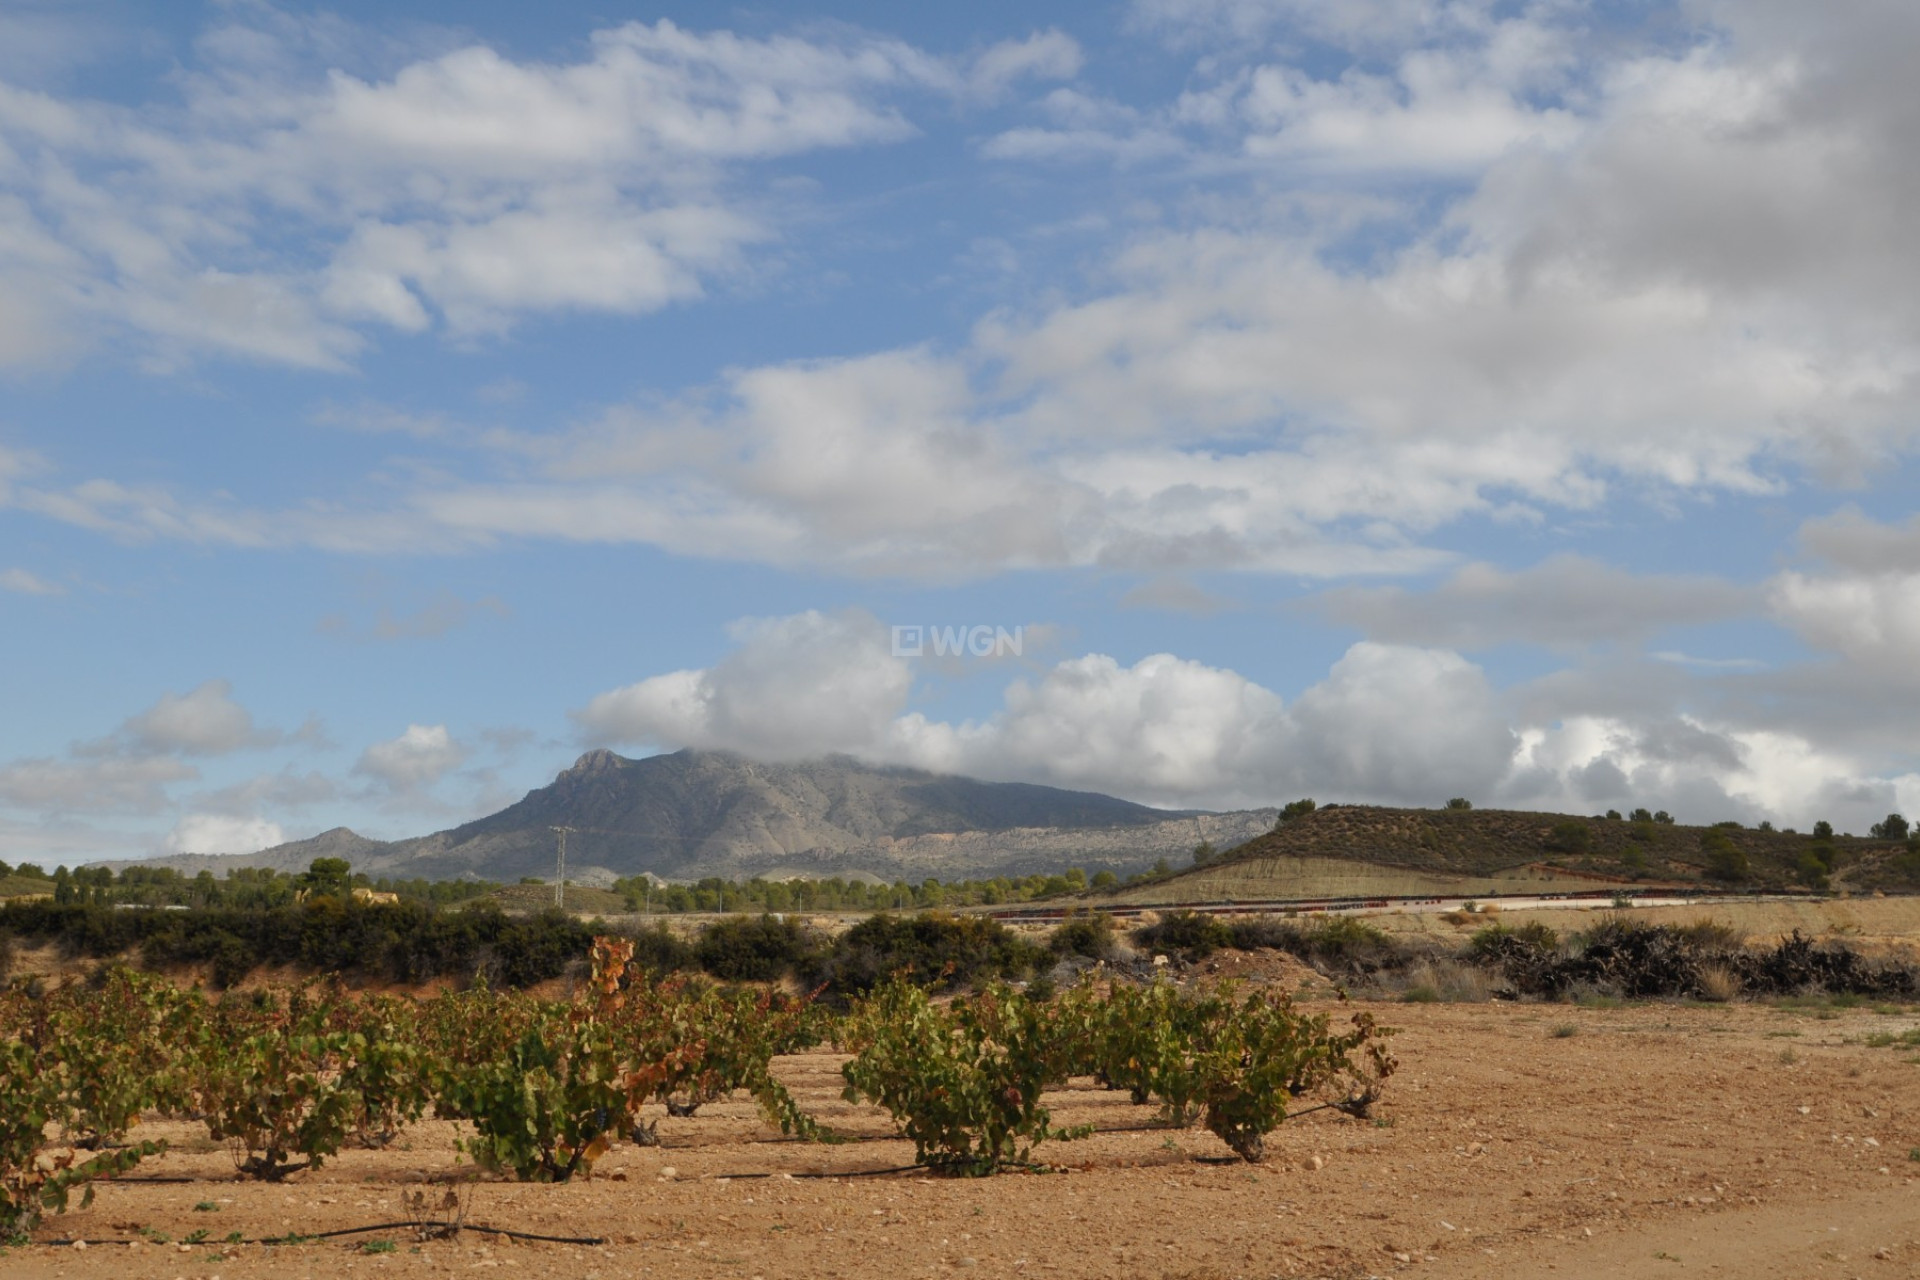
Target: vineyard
{"points": [[543, 1089]]}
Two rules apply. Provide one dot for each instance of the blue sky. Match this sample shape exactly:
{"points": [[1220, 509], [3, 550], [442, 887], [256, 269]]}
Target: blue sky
{"points": [[1385, 401]]}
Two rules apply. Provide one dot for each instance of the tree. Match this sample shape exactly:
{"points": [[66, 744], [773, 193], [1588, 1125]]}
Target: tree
{"points": [[1297, 809], [1203, 853], [1105, 880], [1823, 830], [1459, 802], [1640, 815], [1894, 828], [1570, 836], [327, 877], [1662, 816], [1726, 861]]}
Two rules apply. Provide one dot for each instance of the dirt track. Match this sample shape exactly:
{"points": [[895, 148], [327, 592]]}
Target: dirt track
{"points": [[1761, 1142]]}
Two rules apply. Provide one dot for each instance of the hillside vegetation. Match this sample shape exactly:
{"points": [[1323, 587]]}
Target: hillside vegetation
{"points": [[1338, 850]]}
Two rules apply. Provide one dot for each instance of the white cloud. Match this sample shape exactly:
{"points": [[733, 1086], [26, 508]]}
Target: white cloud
{"points": [[1863, 602], [28, 583], [1393, 724], [414, 761], [204, 722], [797, 686], [1702, 283], [1166, 730], [1044, 55], [222, 833], [465, 184]]}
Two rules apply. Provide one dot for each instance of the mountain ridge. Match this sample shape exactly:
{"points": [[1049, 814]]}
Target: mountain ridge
{"points": [[691, 814]]}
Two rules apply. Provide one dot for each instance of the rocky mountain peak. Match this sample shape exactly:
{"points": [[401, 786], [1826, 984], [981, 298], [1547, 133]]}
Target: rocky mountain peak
{"points": [[599, 760]]}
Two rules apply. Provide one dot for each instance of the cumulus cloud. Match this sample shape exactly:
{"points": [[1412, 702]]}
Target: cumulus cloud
{"points": [[1567, 602], [1861, 601], [204, 722], [1683, 270], [1387, 723], [414, 761], [222, 833], [792, 687]]}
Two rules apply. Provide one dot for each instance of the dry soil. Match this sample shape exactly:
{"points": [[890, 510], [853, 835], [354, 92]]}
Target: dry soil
{"points": [[1531, 1140]]}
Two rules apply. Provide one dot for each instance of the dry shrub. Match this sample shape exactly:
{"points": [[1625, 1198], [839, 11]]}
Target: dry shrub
{"points": [[1719, 983], [1444, 980]]}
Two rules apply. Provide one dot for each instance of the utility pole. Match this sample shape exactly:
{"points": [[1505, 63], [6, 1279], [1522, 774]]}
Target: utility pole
{"points": [[560, 870]]}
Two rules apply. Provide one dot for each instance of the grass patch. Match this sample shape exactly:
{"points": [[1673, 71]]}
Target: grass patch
{"points": [[1565, 1031]]}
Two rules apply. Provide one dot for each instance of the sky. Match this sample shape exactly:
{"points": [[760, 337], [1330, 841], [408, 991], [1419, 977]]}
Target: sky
{"points": [[1380, 402]]}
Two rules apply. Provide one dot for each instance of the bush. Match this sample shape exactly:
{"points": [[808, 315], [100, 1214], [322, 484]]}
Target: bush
{"points": [[550, 1101], [35, 1177], [269, 1082], [1725, 861], [1083, 935], [1185, 933], [1237, 1064], [964, 1082], [932, 948], [1570, 836], [754, 948], [659, 951], [1460, 802]]}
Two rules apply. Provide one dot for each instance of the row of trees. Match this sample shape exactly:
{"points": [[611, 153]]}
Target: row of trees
{"points": [[714, 894], [249, 888]]}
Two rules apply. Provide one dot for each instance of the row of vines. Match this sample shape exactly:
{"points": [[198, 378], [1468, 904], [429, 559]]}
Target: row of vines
{"points": [[287, 1079]]}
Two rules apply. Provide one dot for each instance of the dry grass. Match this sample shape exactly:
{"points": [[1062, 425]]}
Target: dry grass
{"points": [[1447, 981], [1718, 983]]}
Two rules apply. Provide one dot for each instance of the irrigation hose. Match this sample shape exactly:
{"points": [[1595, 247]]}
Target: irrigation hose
{"points": [[298, 1237]]}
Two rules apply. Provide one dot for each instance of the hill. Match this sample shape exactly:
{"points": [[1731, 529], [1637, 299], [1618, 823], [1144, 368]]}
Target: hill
{"points": [[1368, 850], [698, 813]]}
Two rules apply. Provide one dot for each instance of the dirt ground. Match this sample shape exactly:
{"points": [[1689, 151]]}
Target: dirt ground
{"points": [[1517, 1140]]}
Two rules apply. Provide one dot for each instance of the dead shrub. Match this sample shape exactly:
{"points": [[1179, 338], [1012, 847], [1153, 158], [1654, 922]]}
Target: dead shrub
{"points": [[1718, 983]]}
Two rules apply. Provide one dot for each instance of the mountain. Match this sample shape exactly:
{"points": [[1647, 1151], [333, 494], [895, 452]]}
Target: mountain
{"points": [[702, 813]]}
